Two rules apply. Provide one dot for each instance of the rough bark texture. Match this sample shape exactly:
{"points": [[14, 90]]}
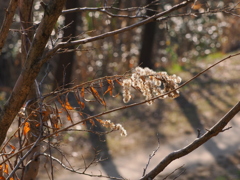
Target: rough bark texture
{"points": [[32, 66]]}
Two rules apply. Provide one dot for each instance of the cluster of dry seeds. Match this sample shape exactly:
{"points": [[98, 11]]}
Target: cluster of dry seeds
{"points": [[111, 125], [151, 84]]}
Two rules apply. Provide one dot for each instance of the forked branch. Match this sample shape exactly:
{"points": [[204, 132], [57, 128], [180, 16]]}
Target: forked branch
{"points": [[215, 130]]}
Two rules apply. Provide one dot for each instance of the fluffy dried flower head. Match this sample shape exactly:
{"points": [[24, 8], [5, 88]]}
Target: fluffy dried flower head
{"points": [[112, 126], [151, 84]]}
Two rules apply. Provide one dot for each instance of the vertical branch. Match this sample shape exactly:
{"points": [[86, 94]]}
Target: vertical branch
{"points": [[7, 22], [32, 160], [26, 17]]}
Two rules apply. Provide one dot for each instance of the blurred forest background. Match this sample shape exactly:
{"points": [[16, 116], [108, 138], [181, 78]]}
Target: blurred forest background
{"points": [[182, 45]]}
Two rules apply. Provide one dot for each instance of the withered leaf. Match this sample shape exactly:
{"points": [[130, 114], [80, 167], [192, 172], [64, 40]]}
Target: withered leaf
{"points": [[97, 96], [26, 128]]}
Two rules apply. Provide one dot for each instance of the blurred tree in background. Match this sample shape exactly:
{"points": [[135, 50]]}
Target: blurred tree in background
{"points": [[58, 45]]}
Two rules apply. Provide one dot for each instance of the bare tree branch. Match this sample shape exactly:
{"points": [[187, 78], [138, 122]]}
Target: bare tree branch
{"points": [[118, 31], [32, 66], [7, 22], [103, 10], [215, 130], [81, 172]]}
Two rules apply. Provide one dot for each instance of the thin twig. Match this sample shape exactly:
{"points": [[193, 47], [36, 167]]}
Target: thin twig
{"points": [[151, 156]]}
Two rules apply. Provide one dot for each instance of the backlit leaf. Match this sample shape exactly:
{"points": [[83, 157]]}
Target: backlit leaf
{"points": [[97, 96], [67, 104], [81, 104], [6, 169], [13, 147], [118, 82], [82, 92], [26, 128], [110, 87]]}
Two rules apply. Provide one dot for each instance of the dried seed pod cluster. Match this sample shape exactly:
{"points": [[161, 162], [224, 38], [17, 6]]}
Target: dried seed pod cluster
{"points": [[151, 84], [111, 125]]}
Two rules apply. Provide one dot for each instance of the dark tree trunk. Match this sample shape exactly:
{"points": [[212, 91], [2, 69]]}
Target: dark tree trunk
{"points": [[66, 60], [145, 59]]}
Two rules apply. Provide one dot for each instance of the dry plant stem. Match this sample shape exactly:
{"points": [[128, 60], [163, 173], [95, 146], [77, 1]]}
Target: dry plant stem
{"points": [[215, 130], [123, 107], [78, 172], [103, 10], [7, 22], [151, 156], [31, 68]]}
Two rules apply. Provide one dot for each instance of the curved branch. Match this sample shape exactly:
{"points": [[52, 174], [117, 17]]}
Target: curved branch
{"points": [[215, 130]]}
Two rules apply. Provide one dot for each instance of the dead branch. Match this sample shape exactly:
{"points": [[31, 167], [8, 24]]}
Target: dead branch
{"points": [[215, 130], [118, 31], [104, 10], [79, 172], [7, 22], [151, 156]]}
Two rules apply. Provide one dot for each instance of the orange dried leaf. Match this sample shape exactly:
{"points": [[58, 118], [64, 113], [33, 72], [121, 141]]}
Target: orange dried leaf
{"points": [[46, 115], [26, 128], [6, 169], [2, 178], [100, 84], [82, 105], [67, 104], [13, 147], [11, 178], [92, 122], [82, 92], [118, 82], [100, 121], [110, 87], [69, 117], [97, 96]]}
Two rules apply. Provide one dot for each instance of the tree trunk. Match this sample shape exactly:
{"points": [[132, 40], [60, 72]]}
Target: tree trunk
{"points": [[66, 60], [145, 58]]}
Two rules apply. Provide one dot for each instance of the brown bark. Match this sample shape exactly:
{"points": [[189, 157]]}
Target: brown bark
{"points": [[7, 22], [32, 160], [32, 66]]}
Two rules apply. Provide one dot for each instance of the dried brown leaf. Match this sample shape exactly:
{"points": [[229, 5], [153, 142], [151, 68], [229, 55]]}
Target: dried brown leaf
{"points": [[97, 96], [6, 169]]}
